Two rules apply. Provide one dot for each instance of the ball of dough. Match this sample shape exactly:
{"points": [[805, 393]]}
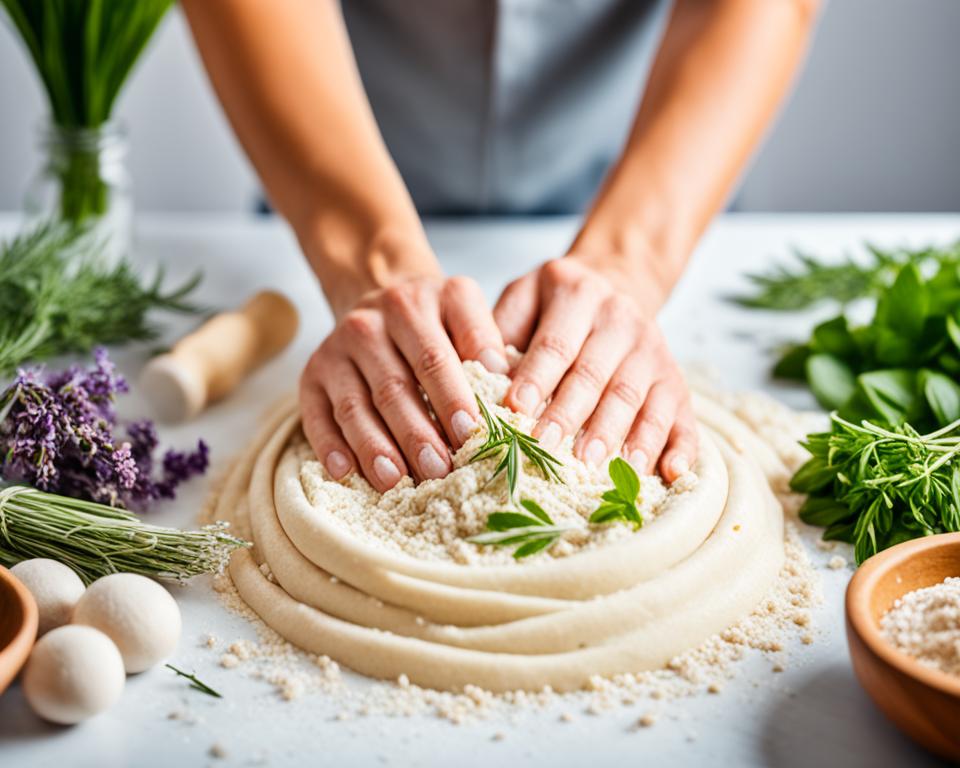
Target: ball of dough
{"points": [[54, 586], [73, 673], [136, 613]]}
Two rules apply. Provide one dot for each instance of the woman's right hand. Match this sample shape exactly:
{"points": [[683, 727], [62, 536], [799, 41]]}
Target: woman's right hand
{"points": [[360, 392]]}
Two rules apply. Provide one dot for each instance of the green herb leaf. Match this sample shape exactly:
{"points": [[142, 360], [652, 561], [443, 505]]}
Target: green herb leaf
{"points": [[831, 380], [195, 683], [942, 394], [625, 479], [619, 503], [533, 532]]}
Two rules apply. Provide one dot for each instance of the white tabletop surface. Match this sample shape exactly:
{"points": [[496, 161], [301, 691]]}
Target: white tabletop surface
{"points": [[814, 713]]}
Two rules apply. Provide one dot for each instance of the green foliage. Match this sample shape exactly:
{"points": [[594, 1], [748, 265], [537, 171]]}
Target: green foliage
{"points": [[811, 280], [58, 297], [620, 503], [900, 367], [532, 530], [84, 50], [874, 486], [508, 443]]}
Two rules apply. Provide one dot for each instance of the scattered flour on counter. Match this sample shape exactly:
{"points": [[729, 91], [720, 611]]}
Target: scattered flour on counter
{"points": [[925, 624], [779, 620]]}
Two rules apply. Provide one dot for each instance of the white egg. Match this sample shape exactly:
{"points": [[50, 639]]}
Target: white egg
{"points": [[136, 613], [54, 586], [73, 673]]}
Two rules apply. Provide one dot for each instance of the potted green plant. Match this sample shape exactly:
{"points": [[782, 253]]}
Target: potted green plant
{"points": [[83, 52]]}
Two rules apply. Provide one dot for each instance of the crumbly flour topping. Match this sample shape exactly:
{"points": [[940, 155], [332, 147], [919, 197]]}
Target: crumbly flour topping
{"points": [[432, 520]]}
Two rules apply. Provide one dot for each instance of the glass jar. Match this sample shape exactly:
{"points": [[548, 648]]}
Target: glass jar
{"points": [[84, 180]]}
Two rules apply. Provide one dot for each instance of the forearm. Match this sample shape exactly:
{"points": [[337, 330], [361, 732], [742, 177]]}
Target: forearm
{"points": [[286, 76], [721, 72]]}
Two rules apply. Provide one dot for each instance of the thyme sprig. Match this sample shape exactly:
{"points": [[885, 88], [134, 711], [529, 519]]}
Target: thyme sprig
{"points": [[509, 443], [533, 531], [195, 682]]}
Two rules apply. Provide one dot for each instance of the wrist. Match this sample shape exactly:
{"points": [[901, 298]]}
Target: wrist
{"points": [[352, 256]]}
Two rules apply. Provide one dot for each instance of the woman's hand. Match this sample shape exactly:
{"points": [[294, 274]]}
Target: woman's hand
{"points": [[605, 363], [360, 391]]}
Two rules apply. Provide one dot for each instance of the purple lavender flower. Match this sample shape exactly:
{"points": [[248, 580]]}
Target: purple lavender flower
{"points": [[58, 433]]}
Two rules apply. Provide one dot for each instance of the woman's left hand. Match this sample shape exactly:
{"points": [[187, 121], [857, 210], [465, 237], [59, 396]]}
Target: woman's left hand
{"points": [[604, 361]]}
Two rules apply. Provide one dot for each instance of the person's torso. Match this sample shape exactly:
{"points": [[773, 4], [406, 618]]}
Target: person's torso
{"points": [[504, 106]]}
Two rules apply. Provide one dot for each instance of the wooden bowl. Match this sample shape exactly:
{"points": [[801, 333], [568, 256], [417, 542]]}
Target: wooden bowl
{"points": [[923, 703], [18, 626]]}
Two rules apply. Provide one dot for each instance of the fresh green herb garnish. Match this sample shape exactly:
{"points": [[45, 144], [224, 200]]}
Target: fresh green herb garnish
{"points": [[534, 532], [508, 443], [875, 487], [620, 502], [58, 297], [814, 280], [902, 366], [195, 683]]}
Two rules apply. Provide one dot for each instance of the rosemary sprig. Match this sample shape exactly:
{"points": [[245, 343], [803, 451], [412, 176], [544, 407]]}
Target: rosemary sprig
{"points": [[533, 532], [58, 297], [508, 443], [195, 682], [95, 540], [812, 280], [875, 486], [620, 502]]}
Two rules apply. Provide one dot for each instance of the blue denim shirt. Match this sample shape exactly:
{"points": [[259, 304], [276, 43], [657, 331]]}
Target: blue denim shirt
{"points": [[504, 106]]}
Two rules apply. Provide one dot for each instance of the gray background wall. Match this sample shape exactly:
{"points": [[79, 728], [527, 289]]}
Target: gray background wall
{"points": [[874, 124]]}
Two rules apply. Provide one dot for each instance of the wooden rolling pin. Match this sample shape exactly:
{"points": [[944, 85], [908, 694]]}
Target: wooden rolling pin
{"points": [[209, 363]]}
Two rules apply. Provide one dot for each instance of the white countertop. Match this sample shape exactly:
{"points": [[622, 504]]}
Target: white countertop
{"points": [[814, 713]]}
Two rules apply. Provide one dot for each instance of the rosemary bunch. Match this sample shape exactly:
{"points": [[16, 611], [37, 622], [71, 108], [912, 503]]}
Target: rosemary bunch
{"points": [[812, 280], [57, 296], [509, 443], [875, 486], [95, 540]]}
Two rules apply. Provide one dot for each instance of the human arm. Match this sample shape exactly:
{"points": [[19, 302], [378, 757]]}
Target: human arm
{"points": [[588, 320], [286, 76]]}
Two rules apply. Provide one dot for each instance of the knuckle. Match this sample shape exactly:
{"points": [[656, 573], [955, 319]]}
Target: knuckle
{"points": [[556, 346], [655, 422], [459, 286], [348, 408], [402, 300], [559, 412], [473, 339], [558, 271], [360, 325], [431, 361], [627, 392], [372, 445], [590, 374], [389, 391]]}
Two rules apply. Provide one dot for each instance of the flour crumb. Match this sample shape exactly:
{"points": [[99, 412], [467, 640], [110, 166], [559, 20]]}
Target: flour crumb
{"points": [[229, 661], [836, 563], [925, 624], [218, 751], [647, 720]]}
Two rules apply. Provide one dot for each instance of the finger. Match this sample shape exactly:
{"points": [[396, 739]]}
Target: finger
{"points": [[560, 335], [413, 322], [583, 386], [395, 395], [517, 309], [617, 410], [361, 425], [649, 433], [321, 430], [681, 451], [475, 334]]}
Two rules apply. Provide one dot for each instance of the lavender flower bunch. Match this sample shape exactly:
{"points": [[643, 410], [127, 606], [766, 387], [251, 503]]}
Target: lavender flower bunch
{"points": [[58, 434]]}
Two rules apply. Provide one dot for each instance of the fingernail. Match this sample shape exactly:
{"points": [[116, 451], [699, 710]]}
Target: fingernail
{"points": [[551, 435], [639, 461], [528, 398], [595, 452], [431, 465], [386, 471], [337, 464], [679, 466], [493, 360], [463, 425]]}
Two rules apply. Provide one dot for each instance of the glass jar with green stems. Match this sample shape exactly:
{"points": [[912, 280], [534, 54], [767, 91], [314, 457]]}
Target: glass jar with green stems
{"points": [[83, 52]]}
